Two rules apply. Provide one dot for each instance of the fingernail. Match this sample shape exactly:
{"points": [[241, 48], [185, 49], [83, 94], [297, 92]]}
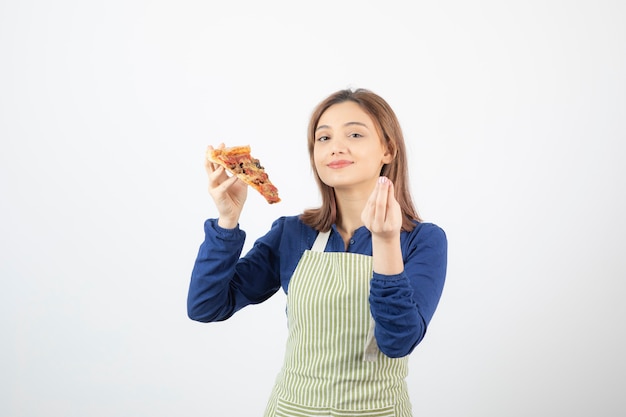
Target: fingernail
{"points": [[382, 180]]}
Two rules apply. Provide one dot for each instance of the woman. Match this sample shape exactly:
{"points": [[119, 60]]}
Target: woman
{"points": [[363, 273]]}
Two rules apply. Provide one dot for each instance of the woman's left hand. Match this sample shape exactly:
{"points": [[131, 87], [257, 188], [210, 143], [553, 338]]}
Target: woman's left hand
{"points": [[382, 214]]}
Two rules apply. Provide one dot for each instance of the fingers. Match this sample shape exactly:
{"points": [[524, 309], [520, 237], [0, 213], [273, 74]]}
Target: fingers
{"points": [[375, 208], [217, 175], [380, 212], [208, 165], [219, 184], [227, 191], [219, 178], [382, 200]]}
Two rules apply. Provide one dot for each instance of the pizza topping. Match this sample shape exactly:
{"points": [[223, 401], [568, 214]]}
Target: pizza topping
{"points": [[239, 162]]}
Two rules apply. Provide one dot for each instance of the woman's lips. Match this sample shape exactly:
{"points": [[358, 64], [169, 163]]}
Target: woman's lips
{"points": [[339, 164]]}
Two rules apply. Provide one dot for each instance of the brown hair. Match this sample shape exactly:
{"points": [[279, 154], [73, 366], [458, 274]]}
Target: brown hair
{"points": [[388, 128]]}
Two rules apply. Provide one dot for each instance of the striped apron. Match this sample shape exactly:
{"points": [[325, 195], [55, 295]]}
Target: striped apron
{"points": [[332, 364]]}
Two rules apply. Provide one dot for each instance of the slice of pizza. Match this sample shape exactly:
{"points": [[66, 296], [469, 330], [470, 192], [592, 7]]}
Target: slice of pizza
{"points": [[239, 162]]}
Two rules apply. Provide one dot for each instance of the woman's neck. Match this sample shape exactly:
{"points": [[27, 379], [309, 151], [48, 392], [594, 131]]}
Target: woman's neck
{"points": [[349, 209]]}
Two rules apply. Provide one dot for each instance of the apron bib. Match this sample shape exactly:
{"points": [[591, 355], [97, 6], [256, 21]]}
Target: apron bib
{"points": [[332, 364]]}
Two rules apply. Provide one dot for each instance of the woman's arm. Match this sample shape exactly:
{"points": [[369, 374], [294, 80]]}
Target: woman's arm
{"points": [[221, 282], [403, 304], [407, 281]]}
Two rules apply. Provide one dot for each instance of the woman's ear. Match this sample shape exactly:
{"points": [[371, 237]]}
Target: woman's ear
{"points": [[387, 157], [390, 152]]}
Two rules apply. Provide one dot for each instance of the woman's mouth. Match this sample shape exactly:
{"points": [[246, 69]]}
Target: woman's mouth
{"points": [[342, 163]]}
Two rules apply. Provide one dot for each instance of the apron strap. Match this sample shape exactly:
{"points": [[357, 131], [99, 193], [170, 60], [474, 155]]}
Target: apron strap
{"points": [[320, 241]]}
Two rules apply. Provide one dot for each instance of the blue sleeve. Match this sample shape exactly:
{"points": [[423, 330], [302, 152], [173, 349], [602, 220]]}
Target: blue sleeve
{"points": [[402, 305], [222, 283]]}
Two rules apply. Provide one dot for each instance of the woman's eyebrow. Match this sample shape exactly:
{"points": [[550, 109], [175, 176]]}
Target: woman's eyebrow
{"points": [[345, 125], [356, 123]]}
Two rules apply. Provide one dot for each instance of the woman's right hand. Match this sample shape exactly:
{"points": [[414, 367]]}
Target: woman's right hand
{"points": [[228, 192]]}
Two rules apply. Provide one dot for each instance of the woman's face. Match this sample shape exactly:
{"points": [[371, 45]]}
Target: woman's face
{"points": [[348, 151]]}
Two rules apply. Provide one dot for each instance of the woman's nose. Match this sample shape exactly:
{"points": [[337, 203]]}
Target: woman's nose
{"points": [[339, 146]]}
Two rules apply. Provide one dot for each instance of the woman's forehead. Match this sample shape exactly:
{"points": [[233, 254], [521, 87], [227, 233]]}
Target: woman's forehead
{"points": [[345, 113]]}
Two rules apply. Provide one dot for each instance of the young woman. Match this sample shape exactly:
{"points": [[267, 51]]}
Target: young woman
{"points": [[363, 273]]}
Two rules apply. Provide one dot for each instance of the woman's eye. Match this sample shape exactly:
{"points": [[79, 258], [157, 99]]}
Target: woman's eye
{"points": [[356, 135], [322, 138]]}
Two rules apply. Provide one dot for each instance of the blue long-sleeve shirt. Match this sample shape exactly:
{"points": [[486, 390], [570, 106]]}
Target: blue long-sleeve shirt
{"points": [[402, 305]]}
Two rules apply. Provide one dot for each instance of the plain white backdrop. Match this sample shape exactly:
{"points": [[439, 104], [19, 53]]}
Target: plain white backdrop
{"points": [[514, 114]]}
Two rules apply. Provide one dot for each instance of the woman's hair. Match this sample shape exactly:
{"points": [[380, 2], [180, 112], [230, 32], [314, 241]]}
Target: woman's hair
{"points": [[388, 129]]}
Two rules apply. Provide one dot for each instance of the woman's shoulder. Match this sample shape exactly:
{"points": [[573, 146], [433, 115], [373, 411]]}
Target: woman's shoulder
{"points": [[288, 221], [292, 232], [428, 227], [292, 224], [427, 233]]}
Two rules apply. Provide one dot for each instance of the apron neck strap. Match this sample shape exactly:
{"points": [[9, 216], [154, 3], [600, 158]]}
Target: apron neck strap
{"points": [[320, 241]]}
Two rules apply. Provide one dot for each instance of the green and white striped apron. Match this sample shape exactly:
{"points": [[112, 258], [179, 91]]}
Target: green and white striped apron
{"points": [[332, 364]]}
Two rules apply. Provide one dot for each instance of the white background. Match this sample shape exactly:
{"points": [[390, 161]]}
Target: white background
{"points": [[514, 113]]}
